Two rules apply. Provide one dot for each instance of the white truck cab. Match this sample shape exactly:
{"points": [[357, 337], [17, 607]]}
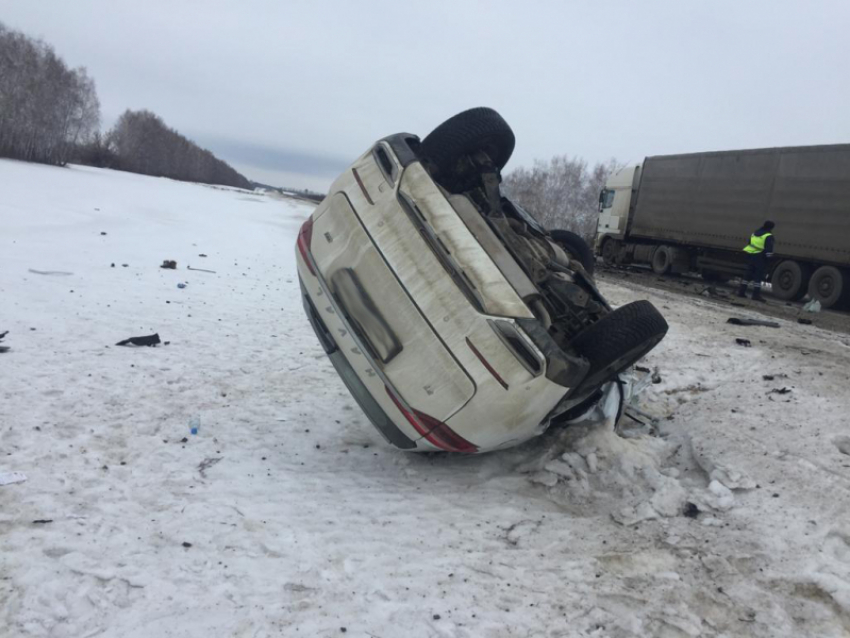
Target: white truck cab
{"points": [[614, 203]]}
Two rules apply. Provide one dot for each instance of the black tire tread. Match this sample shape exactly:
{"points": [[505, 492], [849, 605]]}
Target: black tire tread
{"points": [[480, 128], [618, 332]]}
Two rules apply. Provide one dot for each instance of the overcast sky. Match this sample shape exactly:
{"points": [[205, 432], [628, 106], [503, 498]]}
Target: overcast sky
{"points": [[290, 92]]}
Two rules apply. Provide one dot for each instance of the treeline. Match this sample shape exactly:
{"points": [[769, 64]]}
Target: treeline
{"points": [[51, 114], [46, 109], [141, 142], [562, 193]]}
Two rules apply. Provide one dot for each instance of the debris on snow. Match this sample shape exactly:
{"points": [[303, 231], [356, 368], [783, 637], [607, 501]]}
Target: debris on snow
{"points": [[148, 340], [169, 264], [812, 306], [743, 321], [207, 463], [690, 510], [60, 273], [743, 342]]}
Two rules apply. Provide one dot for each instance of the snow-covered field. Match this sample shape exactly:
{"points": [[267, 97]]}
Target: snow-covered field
{"points": [[287, 516]]}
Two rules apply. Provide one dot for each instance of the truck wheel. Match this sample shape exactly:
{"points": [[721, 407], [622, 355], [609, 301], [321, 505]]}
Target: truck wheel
{"points": [[575, 245], [610, 248], [662, 260], [790, 280], [478, 129], [829, 285], [618, 340]]}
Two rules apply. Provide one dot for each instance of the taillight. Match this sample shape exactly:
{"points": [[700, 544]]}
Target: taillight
{"points": [[304, 237], [434, 431]]}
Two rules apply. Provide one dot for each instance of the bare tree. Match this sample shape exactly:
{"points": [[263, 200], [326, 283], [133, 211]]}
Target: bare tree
{"points": [[46, 109], [561, 193], [142, 143]]}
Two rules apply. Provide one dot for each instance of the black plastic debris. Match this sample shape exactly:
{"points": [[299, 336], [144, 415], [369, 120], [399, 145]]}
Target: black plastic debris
{"points": [[741, 321], [743, 342], [148, 340], [804, 321], [4, 348], [690, 510], [782, 390], [170, 264]]}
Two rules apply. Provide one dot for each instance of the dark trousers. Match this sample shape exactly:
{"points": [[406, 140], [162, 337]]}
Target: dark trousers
{"points": [[756, 269]]}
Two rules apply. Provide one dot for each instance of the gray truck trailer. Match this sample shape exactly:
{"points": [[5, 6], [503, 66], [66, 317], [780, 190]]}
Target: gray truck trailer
{"points": [[696, 212]]}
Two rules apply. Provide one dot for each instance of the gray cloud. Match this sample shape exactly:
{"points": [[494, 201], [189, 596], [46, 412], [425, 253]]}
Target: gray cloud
{"points": [[275, 159]]}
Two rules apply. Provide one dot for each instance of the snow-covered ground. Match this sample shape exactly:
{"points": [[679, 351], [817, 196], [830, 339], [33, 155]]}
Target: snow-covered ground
{"points": [[287, 516]]}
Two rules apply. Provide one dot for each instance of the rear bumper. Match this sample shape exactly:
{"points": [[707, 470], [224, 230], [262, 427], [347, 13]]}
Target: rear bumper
{"points": [[358, 390]]}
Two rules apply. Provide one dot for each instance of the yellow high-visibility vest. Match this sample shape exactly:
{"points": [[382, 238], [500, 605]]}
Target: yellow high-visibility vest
{"points": [[756, 244]]}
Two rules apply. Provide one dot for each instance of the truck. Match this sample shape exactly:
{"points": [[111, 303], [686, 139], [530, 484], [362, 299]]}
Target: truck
{"points": [[695, 213]]}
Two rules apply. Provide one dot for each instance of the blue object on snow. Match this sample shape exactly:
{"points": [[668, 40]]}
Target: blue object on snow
{"points": [[195, 424], [181, 285]]}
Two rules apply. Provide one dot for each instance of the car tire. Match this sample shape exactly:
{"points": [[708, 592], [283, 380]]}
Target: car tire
{"points": [[575, 244], [790, 280], [830, 286], [662, 260], [478, 129], [618, 340]]}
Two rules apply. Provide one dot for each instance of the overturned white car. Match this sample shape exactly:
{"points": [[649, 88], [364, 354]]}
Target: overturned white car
{"points": [[457, 322]]}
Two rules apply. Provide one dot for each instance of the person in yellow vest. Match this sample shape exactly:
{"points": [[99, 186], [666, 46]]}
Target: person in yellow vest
{"points": [[758, 251]]}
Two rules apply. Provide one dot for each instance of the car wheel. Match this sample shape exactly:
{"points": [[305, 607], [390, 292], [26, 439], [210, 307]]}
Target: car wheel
{"points": [[829, 285], [478, 129], [575, 245], [662, 260], [618, 340], [610, 248], [790, 280]]}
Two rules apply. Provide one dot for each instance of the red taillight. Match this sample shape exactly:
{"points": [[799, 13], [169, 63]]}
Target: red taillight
{"points": [[304, 237], [435, 432]]}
